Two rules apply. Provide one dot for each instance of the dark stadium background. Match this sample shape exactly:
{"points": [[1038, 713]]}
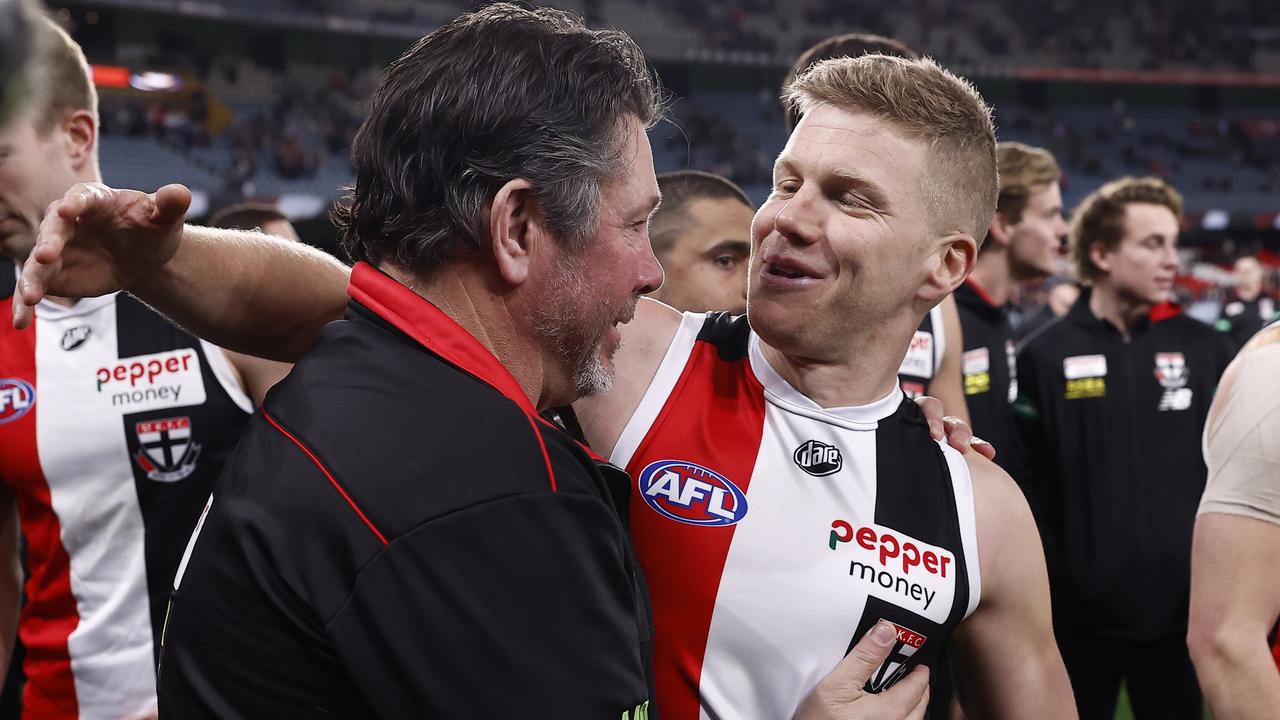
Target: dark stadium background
{"points": [[259, 99]]}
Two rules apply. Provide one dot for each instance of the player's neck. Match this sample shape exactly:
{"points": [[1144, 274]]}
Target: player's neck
{"points": [[862, 378], [991, 272], [1123, 312]]}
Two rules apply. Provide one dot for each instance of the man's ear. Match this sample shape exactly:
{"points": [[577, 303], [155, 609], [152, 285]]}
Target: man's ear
{"points": [[517, 228], [81, 136], [999, 229], [955, 258], [1100, 256]]}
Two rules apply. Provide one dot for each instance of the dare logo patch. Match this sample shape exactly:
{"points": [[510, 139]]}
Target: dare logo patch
{"points": [[16, 398], [690, 493]]}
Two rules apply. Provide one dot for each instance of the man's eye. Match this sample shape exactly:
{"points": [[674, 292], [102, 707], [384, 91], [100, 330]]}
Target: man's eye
{"points": [[726, 261]]}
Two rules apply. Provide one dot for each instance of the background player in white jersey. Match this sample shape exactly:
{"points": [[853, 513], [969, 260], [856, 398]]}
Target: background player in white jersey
{"points": [[107, 493], [1235, 553], [1006, 642]]}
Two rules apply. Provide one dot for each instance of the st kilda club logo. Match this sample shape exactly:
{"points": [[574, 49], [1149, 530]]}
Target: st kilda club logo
{"points": [[818, 458]]}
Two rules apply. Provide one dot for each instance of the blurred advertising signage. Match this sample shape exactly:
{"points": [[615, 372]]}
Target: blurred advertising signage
{"points": [[116, 76]]}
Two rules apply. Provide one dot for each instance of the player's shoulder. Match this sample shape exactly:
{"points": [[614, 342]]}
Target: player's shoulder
{"points": [[1189, 327], [999, 505]]}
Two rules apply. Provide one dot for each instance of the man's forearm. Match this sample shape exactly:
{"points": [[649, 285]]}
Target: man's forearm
{"points": [[1238, 676], [248, 292]]}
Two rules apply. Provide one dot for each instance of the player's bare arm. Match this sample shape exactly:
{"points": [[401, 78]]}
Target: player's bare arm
{"points": [[245, 291], [1235, 600], [1005, 657], [948, 384], [644, 343]]}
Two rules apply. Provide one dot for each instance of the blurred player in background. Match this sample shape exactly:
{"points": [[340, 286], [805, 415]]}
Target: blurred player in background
{"points": [[932, 363], [701, 236], [1023, 243], [114, 426], [1247, 307], [255, 216], [1111, 402], [1235, 588]]}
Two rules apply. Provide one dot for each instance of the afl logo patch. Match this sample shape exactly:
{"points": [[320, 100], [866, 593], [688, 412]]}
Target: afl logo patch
{"points": [[75, 337], [16, 398], [818, 458], [692, 494]]}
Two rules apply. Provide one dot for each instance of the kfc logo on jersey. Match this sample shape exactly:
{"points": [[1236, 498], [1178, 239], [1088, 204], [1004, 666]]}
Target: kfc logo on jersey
{"points": [[166, 453], [691, 494], [818, 459], [16, 398], [897, 568], [905, 645]]}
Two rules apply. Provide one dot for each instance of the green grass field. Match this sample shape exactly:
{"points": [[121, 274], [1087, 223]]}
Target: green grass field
{"points": [[1124, 712]]}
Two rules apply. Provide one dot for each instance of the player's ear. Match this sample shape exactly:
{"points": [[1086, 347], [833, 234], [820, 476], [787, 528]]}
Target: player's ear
{"points": [[949, 266], [517, 229]]}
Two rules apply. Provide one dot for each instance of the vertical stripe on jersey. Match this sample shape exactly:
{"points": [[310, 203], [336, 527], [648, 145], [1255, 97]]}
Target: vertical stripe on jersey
{"points": [[672, 552], [50, 614], [783, 592], [95, 500]]}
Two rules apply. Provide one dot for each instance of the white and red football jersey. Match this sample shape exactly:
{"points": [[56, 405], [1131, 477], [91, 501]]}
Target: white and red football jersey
{"points": [[114, 425], [774, 532]]}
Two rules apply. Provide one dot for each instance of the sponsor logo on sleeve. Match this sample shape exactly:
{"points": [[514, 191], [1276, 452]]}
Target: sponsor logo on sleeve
{"points": [[1086, 376], [898, 568], [166, 452], [1172, 373], [692, 494], [919, 359], [818, 458], [152, 382], [75, 337], [16, 398], [976, 364]]}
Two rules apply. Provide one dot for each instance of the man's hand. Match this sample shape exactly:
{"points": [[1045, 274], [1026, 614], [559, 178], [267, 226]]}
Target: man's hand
{"points": [[96, 240], [840, 695], [956, 431]]}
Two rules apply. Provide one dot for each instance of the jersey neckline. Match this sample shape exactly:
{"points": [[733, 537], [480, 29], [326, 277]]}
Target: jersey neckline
{"points": [[782, 394]]}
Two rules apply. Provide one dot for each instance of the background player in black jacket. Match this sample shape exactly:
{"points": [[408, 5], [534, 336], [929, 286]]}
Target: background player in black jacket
{"points": [[1112, 402], [1024, 240]]}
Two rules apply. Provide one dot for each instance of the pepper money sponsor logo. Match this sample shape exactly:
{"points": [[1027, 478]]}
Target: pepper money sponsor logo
{"points": [[898, 568], [16, 398], [152, 382], [690, 493]]}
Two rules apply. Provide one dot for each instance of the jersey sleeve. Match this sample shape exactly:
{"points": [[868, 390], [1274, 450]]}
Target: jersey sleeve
{"points": [[1242, 450], [518, 607]]}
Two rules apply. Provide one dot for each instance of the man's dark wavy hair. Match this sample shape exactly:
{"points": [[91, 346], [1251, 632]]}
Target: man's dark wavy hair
{"points": [[497, 94]]}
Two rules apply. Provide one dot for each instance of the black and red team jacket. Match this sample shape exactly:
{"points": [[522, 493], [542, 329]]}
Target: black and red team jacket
{"points": [[399, 535], [1112, 464]]}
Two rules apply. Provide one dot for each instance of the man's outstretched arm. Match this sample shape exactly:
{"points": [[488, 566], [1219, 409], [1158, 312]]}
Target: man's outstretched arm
{"points": [[245, 291]]}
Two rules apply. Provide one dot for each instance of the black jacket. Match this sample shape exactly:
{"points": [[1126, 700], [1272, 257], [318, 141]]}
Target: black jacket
{"points": [[399, 536], [990, 384], [1114, 471]]}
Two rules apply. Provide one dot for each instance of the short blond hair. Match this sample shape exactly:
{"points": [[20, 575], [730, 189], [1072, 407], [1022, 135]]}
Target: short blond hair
{"points": [[1024, 171], [62, 77], [1099, 219], [926, 102]]}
